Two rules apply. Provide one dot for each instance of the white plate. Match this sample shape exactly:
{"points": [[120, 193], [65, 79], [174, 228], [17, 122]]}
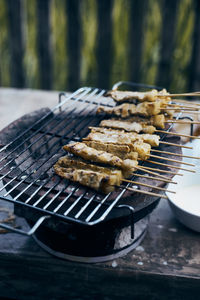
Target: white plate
{"points": [[186, 202]]}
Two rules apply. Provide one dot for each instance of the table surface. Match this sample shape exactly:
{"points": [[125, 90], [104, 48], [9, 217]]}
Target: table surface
{"points": [[166, 264]]}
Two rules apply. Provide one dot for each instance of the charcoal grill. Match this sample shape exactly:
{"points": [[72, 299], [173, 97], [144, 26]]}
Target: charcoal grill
{"points": [[66, 219]]}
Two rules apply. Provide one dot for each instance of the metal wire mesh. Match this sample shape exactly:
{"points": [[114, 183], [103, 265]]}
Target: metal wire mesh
{"points": [[26, 162]]}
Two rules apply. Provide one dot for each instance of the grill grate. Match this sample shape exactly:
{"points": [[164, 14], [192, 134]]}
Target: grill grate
{"points": [[26, 162]]}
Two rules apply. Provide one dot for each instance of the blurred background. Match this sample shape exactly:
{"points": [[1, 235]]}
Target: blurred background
{"points": [[62, 45]]}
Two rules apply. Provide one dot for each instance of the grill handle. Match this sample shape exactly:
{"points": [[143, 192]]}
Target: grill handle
{"points": [[31, 231]]}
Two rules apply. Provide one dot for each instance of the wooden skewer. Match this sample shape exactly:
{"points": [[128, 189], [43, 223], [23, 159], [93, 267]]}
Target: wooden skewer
{"points": [[155, 178], [144, 192], [150, 172], [182, 122], [183, 94], [173, 160], [180, 109], [148, 185], [162, 171], [188, 112], [173, 144], [171, 166], [182, 106], [185, 101], [175, 154], [178, 134]]}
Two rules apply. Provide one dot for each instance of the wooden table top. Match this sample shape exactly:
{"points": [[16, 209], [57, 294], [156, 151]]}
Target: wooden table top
{"points": [[166, 265]]}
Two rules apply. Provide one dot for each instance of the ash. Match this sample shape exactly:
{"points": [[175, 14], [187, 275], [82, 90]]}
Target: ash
{"points": [[124, 239]]}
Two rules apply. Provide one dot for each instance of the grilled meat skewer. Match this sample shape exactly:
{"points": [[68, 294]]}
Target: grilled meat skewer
{"points": [[99, 178], [130, 96], [127, 126], [122, 151], [143, 149], [93, 155], [151, 139], [145, 109]]}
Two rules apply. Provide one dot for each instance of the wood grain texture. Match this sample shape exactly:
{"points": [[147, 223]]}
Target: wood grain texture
{"points": [[165, 266]]}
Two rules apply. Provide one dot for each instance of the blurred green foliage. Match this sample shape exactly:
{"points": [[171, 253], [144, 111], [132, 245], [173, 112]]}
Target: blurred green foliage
{"points": [[120, 19]]}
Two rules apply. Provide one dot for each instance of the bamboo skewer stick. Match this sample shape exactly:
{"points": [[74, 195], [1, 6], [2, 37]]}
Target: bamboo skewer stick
{"points": [[178, 134], [144, 192], [171, 166], [182, 122], [180, 109], [148, 185], [193, 94], [150, 172], [173, 144], [162, 171], [175, 154], [188, 112], [155, 178], [185, 101], [173, 160], [183, 106]]}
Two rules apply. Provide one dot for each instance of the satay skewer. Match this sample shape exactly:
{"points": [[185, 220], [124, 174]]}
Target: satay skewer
{"points": [[154, 178], [177, 110], [171, 166], [161, 171], [193, 94], [185, 101], [175, 154], [147, 170], [173, 144], [143, 192], [137, 128], [134, 137], [182, 106], [178, 134], [147, 185], [181, 122], [173, 160], [99, 178]]}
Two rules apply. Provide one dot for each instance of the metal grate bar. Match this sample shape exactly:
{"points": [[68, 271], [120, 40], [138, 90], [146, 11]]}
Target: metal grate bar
{"points": [[36, 131], [47, 191], [39, 165], [41, 119], [54, 134]]}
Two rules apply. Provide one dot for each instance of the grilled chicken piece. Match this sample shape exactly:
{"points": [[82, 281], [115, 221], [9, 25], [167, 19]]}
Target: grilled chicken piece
{"points": [[122, 151], [158, 121], [143, 150], [109, 138], [124, 110], [99, 178], [94, 180], [148, 128], [129, 96], [145, 109], [121, 139], [151, 139], [128, 126], [93, 155]]}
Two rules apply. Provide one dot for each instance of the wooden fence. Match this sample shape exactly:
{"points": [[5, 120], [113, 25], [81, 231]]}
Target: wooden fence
{"points": [[149, 41]]}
